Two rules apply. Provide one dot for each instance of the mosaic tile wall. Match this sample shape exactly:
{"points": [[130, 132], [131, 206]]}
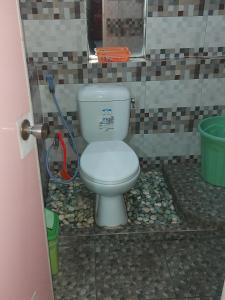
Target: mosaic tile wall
{"points": [[124, 27], [180, 80]]}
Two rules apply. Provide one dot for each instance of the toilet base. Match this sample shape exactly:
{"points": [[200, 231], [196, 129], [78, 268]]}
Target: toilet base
{"points": [[110, 211]]}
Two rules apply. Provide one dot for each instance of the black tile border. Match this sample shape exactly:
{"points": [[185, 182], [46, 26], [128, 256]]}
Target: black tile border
{"points": [[188, 8], [176, 54], [52, 9], [171, 120], [145, 163], [149, 121], [151, 55], [151, 70]]}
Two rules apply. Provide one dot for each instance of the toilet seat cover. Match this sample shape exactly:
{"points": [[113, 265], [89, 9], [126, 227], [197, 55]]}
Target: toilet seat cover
{"points": [[109, 161]]}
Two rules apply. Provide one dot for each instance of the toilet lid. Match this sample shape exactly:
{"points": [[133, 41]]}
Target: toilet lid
{"points": [[109, 162]]}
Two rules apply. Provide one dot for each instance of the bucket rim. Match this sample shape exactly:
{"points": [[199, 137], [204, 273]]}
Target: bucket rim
{"points": [[210, 136]]}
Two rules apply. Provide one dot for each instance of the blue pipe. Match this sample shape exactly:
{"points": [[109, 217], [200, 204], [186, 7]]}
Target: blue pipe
{"points": [[71, 137]]}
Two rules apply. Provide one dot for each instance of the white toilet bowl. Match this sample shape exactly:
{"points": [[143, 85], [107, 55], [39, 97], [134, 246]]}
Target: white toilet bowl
{"points": [[109, 168]]}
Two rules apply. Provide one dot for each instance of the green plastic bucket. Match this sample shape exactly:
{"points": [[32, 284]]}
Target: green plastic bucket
{"points": [[53, 235], [212, 131]]}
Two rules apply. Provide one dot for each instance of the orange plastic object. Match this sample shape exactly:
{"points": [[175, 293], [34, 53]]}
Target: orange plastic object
{"points": [[113, 54], [63, 172]]}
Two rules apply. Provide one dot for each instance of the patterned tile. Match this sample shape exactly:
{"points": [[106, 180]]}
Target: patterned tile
{"points": [[191, 68], [93, 72], [52, 10], [55, 36], [171, 120], [183, 32], [58, 57], [153, 132], [147, 163], [124, 27], [157, 120], [166, 54], [213, 68], [52, 119], [215, 7], [174, 8], [153, 54]]}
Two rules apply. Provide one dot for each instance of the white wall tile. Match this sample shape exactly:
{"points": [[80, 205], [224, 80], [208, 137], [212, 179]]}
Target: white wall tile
{"points": [[66, 95], [57, 35], [173, 93], [138, 92], [213, 92], [215, 32], [165, 144], [174, 32]]}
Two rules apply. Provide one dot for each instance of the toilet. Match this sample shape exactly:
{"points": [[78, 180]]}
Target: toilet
{"points": [[108, 166]]}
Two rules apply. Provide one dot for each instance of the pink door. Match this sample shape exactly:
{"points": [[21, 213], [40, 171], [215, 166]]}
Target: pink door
{"points": [[24, 264]]}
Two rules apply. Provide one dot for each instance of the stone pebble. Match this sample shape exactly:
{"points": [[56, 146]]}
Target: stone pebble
{"points": [[73, 203], [148, 202]]}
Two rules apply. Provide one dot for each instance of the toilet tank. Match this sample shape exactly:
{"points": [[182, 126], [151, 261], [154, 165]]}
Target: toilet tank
{"points": [[104, 111]]}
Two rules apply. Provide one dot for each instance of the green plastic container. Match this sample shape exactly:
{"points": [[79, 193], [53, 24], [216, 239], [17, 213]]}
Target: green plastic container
{"points": [[53, 236], [212, 131]]}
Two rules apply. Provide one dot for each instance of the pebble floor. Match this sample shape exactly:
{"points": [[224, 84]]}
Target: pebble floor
{"points": [[159, 257], [148, 202]]}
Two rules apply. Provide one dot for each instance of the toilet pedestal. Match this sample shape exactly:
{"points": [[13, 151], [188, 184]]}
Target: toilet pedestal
{"points": [[110, 211]]}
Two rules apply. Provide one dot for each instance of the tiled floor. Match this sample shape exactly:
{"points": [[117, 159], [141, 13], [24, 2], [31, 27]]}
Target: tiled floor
{"points": [[184, 260], [194, 198], [138, 266]]}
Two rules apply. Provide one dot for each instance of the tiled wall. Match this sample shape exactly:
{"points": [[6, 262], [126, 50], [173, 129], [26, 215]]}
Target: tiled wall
{"points": [[180, 81]]}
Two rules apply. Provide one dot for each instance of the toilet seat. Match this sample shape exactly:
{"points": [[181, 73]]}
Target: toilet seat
{"points": [[109, 162]]}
